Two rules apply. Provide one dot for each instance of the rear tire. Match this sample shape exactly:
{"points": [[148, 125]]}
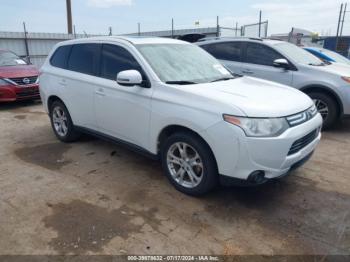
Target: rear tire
{"points": [[62, 124], [327, 107], [194, 171]]}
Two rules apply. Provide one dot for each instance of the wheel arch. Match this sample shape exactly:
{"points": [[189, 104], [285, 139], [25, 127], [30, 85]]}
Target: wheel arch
{"points": [[52, 99], [325, 90], [172, 129]]}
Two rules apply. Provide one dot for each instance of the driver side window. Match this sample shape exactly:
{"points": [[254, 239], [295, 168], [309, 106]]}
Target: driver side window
{"points": [[261, 55], [115, 59]]}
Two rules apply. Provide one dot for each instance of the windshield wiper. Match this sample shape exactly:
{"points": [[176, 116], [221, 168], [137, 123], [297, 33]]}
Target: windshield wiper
{"points": [[181, 82], [222, 79]]}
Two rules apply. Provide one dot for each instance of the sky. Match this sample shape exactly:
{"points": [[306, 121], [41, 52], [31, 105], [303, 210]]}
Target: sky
{"points": [[96, 16]]}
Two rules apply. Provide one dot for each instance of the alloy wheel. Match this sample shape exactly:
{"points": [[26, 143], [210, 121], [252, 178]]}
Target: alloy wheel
{"points": [[322, 108], [60, 123], [185, 165]]}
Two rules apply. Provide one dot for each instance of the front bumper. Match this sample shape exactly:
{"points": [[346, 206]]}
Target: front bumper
{"points": [[238, 156], [11, 93]]}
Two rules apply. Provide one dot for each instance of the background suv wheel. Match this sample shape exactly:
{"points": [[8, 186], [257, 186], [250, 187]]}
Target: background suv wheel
{"points": [[189, 164], [61, 123], [327, 107]]}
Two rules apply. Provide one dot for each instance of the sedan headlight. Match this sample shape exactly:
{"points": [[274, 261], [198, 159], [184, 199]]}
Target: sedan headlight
{"points": [[3, 82], [259, 127]]}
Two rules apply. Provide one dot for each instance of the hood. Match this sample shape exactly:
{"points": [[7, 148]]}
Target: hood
{"points": [[18, 71], [256, 97], [335, 68]]}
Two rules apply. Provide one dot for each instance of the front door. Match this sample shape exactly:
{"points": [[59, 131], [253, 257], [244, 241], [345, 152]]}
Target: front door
{"points": [[258, 62], [122, 111]]}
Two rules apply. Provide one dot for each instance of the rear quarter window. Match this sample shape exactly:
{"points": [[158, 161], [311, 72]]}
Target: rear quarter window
{"points": [[230, 51], [84, 58], [60, 57]]}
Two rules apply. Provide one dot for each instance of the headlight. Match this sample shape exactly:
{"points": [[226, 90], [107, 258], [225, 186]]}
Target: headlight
{"points": [[3, 82], [259, 127], [346, 79]]}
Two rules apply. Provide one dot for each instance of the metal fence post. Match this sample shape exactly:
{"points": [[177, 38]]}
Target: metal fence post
{"points": [[26, 42], [172, 28], [260, 23], [217, 27]]}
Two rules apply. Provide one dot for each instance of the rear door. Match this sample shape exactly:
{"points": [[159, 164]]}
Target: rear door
{"points": [[229, 53], [258, 62], [78, 83]]}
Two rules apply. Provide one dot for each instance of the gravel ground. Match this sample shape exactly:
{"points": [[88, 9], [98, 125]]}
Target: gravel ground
{"points": [[93, 197]]}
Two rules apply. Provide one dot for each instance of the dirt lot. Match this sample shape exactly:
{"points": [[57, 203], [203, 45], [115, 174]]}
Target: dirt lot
{"points": [[93, 197]]}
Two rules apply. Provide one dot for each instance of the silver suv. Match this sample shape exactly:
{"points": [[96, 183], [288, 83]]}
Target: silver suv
{"points": [[327, 84]]}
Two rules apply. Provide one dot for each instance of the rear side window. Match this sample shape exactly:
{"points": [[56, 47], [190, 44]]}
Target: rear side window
{"points": [[230, 51], [261, 55], [115, 59], [60, 57], [84, 58]]}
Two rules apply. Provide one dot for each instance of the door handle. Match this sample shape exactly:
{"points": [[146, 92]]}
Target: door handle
{"points": [[100, 92], [247, 71]]}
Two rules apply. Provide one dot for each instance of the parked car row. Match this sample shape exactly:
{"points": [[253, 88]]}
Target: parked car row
{"points": [[328, 84], [173, 101], [18, 80]]}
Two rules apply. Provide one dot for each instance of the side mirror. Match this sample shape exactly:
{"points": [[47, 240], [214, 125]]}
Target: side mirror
{"points": [[282, 63], [129, 78]]}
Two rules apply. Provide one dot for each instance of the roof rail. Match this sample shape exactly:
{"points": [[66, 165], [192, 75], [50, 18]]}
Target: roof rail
{"points": [[228, 38], [273, 38]]}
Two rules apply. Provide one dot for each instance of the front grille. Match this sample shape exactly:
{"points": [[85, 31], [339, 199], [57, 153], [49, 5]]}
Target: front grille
{"points": [[303, 142], [24, 80], [28, 93]]}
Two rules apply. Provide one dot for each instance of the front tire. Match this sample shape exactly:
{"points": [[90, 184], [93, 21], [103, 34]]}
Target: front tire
{"points": [[189, 164], [62, 124], [327, 107]]}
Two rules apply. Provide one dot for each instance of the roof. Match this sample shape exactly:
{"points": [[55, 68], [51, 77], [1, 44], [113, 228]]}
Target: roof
{"points": [[230, 39], [135, 40]]}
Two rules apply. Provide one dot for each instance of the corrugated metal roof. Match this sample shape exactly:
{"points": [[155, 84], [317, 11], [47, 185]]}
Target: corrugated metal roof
{"points": [[208, 30], [61, 36]]}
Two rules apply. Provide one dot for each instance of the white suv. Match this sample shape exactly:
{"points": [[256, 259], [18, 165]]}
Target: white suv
{"points": [[174, 101]]}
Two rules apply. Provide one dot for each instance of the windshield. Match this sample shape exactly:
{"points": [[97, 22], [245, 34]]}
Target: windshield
{"points": [[10, 59], [183, 63], [335, 56], [298, 54]]}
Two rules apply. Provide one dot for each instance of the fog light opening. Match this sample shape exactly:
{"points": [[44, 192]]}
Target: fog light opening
{"points": [[257, 177]]}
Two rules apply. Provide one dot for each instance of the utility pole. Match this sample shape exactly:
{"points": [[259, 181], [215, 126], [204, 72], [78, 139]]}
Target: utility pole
{"points": [[260, 23], [236, 30], [138, 29], [110, 31], [337, 37], [342, 22], [69, 16]]}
